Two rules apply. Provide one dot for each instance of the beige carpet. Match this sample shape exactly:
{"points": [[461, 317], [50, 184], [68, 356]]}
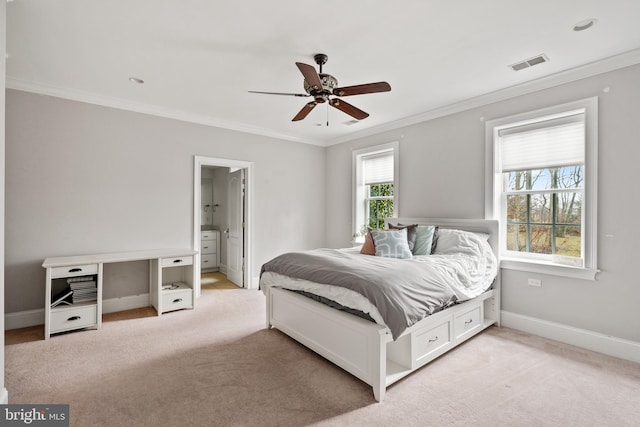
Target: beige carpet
{"points": [[218, 366]]}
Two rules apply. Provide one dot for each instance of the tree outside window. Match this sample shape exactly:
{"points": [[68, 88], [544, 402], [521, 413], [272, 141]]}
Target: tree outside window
{"points": [[379, 204], [544, 210]]}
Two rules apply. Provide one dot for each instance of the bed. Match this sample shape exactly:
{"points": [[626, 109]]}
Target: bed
{"points": [[369, 343]]}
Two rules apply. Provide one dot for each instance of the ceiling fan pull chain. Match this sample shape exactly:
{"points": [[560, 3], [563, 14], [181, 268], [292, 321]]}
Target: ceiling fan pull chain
{"points": [[327, 114]]}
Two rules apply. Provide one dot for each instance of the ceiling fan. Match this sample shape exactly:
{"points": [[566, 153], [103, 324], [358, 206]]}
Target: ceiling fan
{"points": [[321, 86]]}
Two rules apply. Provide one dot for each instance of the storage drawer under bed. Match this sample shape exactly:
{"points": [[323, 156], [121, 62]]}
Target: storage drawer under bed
{"points": [[423, 344], [466, 323]]}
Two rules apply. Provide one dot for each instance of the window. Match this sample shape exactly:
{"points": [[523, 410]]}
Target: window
{"points": [[375, 187], [541, 185]]}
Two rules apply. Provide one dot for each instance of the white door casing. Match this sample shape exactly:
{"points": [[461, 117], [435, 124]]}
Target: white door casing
{"points": [[199, 162]]}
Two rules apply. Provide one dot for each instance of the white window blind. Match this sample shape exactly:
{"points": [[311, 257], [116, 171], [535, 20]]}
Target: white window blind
{"points": [[378, 168], [544, 144]]}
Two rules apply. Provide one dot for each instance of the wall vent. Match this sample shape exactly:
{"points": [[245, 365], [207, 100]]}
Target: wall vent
{"points": [[529, 62]]}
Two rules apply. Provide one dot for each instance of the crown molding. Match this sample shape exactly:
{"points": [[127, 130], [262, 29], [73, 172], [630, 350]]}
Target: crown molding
{"points": [[612, 63], [594, 68], [106, 101]]}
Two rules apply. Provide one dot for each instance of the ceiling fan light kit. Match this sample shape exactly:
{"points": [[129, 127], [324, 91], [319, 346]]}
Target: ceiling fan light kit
{"points": [[321, 86]]}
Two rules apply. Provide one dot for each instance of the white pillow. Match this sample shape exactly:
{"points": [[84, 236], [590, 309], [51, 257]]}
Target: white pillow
{"points": [[454, 241]]}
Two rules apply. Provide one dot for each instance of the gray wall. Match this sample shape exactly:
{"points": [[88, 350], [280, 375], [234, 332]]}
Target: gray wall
{"points": [[81, 178], [442, 175]]}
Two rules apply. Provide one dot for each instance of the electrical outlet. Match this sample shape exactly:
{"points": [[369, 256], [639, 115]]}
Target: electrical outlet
{"points": [[535, 282]]}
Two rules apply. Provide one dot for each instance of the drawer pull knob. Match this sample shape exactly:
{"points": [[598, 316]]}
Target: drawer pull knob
{"points": [[72, 318], [433, 339], [468, 322], [75, 270], [175, 261], [177, 300]]}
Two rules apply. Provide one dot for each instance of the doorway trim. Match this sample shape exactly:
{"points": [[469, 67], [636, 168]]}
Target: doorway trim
{"points": [[198, 162]]}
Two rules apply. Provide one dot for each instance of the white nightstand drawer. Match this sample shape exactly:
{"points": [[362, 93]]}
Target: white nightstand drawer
{"points": [[74, 270], [209, 235], [66, 319], [178, 261]]}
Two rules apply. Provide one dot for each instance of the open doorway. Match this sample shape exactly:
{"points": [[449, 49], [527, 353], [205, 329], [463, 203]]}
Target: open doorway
{"points": [[225, 217]]}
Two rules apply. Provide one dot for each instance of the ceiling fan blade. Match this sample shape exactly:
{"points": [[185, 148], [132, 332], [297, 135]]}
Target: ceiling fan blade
{"points": [[310, 75], [280, 93], [362, 89], [345, 107], [305, 111]]}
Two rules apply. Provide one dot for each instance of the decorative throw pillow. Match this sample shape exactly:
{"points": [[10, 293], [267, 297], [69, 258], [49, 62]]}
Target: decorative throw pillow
{"points": [[424, 239], [391, 243], [368, 248], [411, 233]]}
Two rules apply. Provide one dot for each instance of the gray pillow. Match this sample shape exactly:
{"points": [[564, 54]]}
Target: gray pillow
{"points": [[411, 233], [428, 239]]}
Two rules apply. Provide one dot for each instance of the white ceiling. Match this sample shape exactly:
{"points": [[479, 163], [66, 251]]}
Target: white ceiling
{"points": [[199, 58]]}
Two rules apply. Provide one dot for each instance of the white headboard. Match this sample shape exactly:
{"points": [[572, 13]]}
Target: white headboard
{"points": [[488, 226]]}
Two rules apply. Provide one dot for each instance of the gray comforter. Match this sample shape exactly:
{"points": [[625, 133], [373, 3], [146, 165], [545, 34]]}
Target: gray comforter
{"points": [[404, 292]]}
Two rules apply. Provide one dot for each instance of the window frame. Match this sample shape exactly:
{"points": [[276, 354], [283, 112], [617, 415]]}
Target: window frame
{"points": [[494, 191], [359, 189]]}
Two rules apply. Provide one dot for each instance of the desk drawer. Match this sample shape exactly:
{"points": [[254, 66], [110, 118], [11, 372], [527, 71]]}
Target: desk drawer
{"points": [[176, 300], [74, 270], [177, 261], [74, 318]]}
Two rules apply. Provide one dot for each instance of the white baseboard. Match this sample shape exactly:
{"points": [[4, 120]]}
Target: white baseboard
{"points": [[113, 305], [24, 319], [612, 346]]}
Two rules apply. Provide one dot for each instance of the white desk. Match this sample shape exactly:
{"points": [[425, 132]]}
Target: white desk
{"points": [[166, 266]]}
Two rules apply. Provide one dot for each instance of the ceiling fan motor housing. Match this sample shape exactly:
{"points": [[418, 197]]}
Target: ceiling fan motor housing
{"points": [[328, 84]]}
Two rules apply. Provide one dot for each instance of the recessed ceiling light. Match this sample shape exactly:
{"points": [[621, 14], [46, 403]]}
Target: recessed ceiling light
{"points": [[136, 80], [584, 25]]}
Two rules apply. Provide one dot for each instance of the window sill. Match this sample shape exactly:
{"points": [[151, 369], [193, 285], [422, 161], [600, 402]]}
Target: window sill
{"points": [[548, 268]]}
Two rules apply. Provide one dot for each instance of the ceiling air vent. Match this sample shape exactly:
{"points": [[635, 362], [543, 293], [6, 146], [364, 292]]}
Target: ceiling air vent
{"points": [[529, 62]]}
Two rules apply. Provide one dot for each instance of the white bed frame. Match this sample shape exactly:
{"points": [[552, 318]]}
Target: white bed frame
{"points": [[366, 349]]}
